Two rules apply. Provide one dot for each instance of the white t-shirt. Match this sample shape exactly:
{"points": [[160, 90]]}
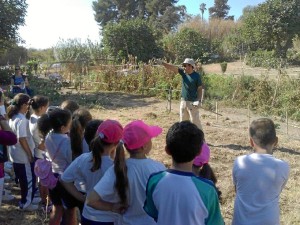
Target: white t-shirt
{"points": [[20, 126], [63, 156], [259, 180], [138, 172], [36, 136], [80, 169]]}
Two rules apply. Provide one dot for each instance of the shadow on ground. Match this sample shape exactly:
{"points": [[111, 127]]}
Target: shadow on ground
{"points": [[249, 148]]}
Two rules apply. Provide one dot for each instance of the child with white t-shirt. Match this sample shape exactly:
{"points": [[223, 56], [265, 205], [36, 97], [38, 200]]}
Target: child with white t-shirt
{"points": [[259, 178], [21, 154], [39, 105], [90, 167], [122, 188], [177, 196], [54, 127]]}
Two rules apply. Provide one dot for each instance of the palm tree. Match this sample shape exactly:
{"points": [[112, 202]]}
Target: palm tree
{"points": [[202, 9]]}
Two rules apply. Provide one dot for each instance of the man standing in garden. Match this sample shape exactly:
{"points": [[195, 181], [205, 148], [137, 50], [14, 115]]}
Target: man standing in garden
{"points": [[191, 90]]}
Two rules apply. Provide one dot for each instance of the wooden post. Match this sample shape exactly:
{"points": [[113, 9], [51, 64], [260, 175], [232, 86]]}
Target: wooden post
{"points": [[217, 112], [287, 122], [248, 114], [169, 99]]}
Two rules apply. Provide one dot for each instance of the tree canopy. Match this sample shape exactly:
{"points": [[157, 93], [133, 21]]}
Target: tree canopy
{"points": [[220, 10], [12, 16], [132, 37], [163, 13], [272, 25]]}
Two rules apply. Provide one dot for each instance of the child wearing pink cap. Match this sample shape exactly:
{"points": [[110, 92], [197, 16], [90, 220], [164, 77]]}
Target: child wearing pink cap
{"points": [[176, 196], [122, 188], [202, 168], [90, 168]]}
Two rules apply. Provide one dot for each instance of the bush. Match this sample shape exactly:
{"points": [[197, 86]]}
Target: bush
{"points": [[223, 66], [262, 58]]}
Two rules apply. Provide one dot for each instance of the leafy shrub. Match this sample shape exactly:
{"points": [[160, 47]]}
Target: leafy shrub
{"points": [[262, 58], [223, 66]]}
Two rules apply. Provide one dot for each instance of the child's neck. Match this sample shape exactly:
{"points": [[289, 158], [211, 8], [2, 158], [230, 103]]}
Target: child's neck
{"points": [[185, 167], [138, 155], [266, 150]]}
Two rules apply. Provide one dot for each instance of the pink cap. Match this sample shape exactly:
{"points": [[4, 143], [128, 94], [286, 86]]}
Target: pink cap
{"points": [[137, 134], [203, 157], [110, 131]]}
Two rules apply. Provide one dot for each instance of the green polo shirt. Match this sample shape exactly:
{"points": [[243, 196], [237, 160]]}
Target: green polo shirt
{"points": [[190, 84]]}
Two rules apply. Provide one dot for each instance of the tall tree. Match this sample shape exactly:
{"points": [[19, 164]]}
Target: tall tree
{"points": [[272, 25], [202, 9], [156, 11], [131, 37], [12, 16], [219, 10]]}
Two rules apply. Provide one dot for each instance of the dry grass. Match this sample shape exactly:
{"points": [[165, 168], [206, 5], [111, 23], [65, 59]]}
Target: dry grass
{"points": [[228, 138]]}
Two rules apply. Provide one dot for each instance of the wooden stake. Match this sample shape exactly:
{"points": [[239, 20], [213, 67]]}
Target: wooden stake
{"points": [[217, 114], [287, 122]]}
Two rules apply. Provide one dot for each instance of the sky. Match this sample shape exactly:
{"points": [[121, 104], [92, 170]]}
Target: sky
{"points": [[48, 21]]}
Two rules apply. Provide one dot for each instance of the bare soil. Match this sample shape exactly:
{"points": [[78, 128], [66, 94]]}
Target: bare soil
{"points": [[227, 138]]}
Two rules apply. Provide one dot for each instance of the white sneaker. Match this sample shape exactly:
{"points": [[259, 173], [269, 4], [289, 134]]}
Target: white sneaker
{"points": [[36, 200], [7, 197], [31, 207]]}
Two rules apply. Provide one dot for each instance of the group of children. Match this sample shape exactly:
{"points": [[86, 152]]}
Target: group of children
{"points": [[102, 169]]}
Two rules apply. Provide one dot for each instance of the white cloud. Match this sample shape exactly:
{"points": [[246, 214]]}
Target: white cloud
{"points": [[49, 20]]}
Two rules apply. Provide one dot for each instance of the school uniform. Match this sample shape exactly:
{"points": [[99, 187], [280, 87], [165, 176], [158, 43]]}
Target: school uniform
{"points": [[190, 199], [38, 153], [24, 170], [80, 169], [58, 145], [138, 172]]}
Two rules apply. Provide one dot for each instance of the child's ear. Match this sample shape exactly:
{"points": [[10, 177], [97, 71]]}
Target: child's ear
{"points": [[167, 150]]}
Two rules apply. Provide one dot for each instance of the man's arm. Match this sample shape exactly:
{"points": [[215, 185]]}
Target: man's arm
{"points": [[170, 67]]}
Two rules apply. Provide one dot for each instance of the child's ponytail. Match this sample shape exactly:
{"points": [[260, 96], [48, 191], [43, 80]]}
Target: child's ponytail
{"points": [[121, 174], [97, 149], [76, 135], [16, 104]]}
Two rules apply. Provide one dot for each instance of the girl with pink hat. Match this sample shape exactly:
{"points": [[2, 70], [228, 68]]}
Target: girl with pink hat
{"points": [[202, 168], [123, 187]]}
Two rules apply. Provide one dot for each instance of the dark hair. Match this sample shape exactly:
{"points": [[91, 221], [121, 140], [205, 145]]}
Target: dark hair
{"points": [[207, 172], [53, 120], [79, 120], [90, 130], [16, 104], [120, 168], [69, 105], [184, 140], [263, 132], [97, 148], [38, 101]]}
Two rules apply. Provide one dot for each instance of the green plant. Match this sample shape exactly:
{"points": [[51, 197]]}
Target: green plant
{"points": [[223, 66]]}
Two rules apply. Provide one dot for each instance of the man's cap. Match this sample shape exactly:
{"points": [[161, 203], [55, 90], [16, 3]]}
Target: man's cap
{"points": [[110, 131], [137, 134], [203, 157], [189, 61]]}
